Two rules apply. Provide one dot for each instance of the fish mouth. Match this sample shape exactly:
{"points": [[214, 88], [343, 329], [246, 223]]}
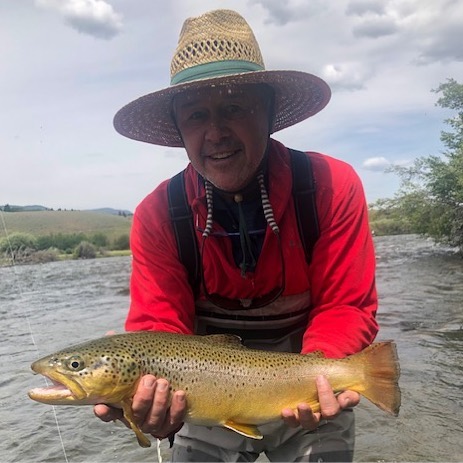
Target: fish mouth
{"points": [[53, 393], [63, 389]]}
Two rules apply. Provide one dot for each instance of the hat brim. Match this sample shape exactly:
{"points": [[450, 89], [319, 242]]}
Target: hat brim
{"points": [[298, 95]]}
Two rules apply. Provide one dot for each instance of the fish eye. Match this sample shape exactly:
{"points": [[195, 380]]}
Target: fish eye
{"points": [[75, 363]]}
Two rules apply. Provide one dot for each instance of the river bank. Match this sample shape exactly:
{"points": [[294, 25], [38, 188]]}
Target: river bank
{"points": [[45, 257]]}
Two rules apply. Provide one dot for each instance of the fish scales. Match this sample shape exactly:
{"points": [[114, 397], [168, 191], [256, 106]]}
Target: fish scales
{"points": [[234, 375], [225, 383]]}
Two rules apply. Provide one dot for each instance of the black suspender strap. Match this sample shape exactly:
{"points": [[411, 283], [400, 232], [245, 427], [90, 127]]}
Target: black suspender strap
{"points": [[182, 222], [304, 201]]}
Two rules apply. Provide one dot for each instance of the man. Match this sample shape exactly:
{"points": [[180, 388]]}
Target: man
{"points": [[255, 278]]}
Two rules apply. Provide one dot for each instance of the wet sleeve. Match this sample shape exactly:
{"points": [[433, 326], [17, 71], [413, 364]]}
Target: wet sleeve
{"points": [[161, 298], [342, 319]]}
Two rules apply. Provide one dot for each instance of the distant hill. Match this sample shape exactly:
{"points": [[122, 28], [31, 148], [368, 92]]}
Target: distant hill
{"points": [[15, 208], [45, 222], [31, 208], [34, 208], [110, 210]]}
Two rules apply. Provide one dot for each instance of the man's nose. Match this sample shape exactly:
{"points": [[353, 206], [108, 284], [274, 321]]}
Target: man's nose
{"points": [[217, 129]]}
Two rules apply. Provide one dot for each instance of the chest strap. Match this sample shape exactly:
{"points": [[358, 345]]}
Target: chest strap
{"points": [[182, 222], [303, 193], [304, 201]]}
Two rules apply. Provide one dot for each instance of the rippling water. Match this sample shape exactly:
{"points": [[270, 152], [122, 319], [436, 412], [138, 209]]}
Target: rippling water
{"points": [[45, 307]]}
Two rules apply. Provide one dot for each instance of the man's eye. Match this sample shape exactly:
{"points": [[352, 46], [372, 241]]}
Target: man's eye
{"points": [[233, 111], [197, 116]]}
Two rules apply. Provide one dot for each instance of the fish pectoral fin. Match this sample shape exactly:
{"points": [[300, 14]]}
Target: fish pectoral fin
{"points": [[247, 430], [142, 439]]}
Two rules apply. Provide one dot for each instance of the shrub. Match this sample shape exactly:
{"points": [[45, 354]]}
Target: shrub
{"points": [[41, 257], [121, 243], [17, 243], [100, 240], [62, 241], [85, 250]]}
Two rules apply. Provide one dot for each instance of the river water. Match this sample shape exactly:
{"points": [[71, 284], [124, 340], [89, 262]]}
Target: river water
{"points": [[48, 306]]}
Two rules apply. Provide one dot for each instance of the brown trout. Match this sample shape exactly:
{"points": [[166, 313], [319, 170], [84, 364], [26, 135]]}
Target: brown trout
{"points": [[226, 384]]}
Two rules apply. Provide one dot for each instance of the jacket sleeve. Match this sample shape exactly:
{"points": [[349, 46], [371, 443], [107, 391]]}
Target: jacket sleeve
{"points": [[342, 274], [161, 298]]}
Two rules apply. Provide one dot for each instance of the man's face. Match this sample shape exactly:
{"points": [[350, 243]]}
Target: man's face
{"points": [[225, 131]]}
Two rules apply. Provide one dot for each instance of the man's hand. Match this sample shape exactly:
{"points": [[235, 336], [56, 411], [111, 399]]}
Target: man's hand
{"points": [[330, 406], [155, 411]]}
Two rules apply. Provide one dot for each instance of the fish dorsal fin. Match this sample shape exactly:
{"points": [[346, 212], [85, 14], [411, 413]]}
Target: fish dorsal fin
{"points": [[247, 430], [223, 339]]}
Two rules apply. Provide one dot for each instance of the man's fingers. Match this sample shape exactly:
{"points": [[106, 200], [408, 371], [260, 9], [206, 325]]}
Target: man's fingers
{"points": [[143, 398], [348, 399], [290, 418], [303, 417], [329, 405], [156, 416], [177, 409], [307, 418], [106, 413]]}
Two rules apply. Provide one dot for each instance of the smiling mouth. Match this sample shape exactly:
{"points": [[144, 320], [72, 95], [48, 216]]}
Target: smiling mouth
{"points": [[222, 155]]}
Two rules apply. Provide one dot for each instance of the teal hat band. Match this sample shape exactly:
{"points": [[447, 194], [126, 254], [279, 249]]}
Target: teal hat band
{"points": [[214, 69]]}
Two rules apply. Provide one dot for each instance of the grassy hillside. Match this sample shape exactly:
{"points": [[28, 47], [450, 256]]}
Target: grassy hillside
{"points": [[39, 223]]}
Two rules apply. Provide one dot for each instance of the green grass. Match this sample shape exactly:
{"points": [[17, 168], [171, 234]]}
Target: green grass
{"points": [[39, 223]]}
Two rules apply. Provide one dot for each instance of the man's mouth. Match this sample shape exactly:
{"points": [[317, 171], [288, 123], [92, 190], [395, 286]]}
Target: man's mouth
{"points": [[222, 155]]}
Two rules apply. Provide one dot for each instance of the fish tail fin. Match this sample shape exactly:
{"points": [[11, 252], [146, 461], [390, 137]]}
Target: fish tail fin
{"points": [[382, 372]]}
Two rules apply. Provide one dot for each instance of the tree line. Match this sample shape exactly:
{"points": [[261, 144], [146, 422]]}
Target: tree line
{"points": [[27, 248], [430, 197]]}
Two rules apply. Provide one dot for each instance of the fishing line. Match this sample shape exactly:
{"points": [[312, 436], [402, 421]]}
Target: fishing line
{"points": [[158, 449], [27, 320]]}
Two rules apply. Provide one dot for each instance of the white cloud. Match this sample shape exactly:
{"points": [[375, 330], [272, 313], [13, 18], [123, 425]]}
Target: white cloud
{"points": [[403, 163], [93, 17], [361, 7], [289, 11], [444, 45], [378, 26], [377, 164], [372, 19], [347, 76], [381, 164], [432, 29]]}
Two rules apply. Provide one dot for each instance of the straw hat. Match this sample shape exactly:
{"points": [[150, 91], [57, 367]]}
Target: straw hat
{"points": [[218, 48]]}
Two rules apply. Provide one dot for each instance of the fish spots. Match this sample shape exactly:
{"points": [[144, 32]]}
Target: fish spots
{"points": [[189, 363]]}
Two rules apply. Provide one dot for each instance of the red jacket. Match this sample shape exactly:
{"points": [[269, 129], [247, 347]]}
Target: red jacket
{"points": [[341, 277]]}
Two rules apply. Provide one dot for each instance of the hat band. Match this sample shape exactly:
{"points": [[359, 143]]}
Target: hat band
{"points": [[214, 69]]}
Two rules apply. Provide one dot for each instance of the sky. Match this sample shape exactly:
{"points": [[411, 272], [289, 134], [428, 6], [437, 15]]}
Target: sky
{"points": [[68, 65]]}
